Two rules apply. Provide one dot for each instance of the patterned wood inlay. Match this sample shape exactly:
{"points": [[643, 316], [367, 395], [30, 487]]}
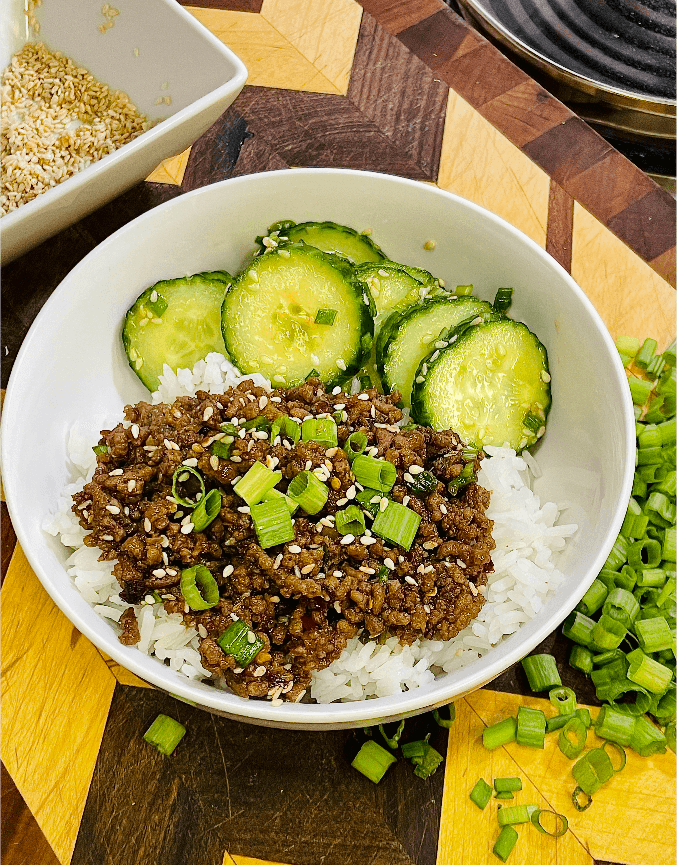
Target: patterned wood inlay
{"points": [[230, 5], [560, 225]]}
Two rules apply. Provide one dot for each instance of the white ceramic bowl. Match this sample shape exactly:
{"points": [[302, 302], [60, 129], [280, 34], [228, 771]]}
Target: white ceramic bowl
{"points": [[152, 43], [71, 367]]}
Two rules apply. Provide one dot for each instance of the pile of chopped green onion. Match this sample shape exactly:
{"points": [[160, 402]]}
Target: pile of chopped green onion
{"points": [[624, 627]]}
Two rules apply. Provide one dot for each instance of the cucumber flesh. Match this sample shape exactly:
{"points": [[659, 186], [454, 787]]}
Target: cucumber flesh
{"points": [[268, 317], [406, 339], [488, 386], [330, 237], [422, 276], [175, 322], [391, 287]]}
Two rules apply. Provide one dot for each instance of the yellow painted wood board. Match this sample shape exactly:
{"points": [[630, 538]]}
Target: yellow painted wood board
{"points": [[56, 693], [245, 860], [270, 58], [480, 164], [631, 819], [122, 675], [632, 299]]}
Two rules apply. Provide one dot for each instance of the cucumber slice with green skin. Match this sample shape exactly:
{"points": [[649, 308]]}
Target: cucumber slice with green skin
{"points": [[328, 237], [268, 317], [391, 287], [491, 386], [406, 339], [177, 322], [423, 276]]}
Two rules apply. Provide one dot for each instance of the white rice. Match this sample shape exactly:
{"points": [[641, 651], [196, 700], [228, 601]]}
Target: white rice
{"points": [[525, 531]]}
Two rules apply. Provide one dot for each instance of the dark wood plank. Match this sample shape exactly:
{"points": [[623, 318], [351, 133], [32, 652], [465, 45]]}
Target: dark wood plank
{"points": [[398, 15], [22, 842], [214, 154], [567, 150], [664, 265], [525, 112], [8, 540], [435, 40], [648, 224], [233, 5], [558, 241], [399, 94], [277, 795]]}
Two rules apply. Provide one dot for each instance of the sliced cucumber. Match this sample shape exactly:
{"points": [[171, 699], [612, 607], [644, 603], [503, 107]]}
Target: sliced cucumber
{"points": [[328, 237], [423, 276], [269, 317], [391, 286], [491, 386], [407, 338], [177, 322]]}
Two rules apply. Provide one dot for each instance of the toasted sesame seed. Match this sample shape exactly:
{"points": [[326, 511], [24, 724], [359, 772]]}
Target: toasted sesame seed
{"points": [[410, 580], [115, 472], [443, 508], [406, 500], [244, 509], [426, 608], [473, 588], [366, 569], [389, 563], [416, 470], [461, 563], [294, 548], [202, 631], [341, 502], [347, 539], [113, 509], [235, 618], [228, 570], [259, 671], [135, 431], [187, 529], [107, 537], [214, 461], [363, 396], [351, 492], [191, 462], [131, 485], [408, 478], [236, 459], [307, 569], [146, 524], [159, 572], [383, 504], [428, 545], [366, 540]]}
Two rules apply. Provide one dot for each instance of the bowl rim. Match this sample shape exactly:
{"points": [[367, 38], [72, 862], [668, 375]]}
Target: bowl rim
{"points": [[300, 715], [111, 161]]}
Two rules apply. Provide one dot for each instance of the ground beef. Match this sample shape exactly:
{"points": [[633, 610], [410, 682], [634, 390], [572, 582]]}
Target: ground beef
{"points": [[307, 598]]}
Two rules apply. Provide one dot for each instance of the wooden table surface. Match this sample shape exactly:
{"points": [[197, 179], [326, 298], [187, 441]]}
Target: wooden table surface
{"points": [[405, 88]]}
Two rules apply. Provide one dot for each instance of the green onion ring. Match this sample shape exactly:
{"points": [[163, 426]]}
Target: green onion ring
{"points": [[199, 588], [175, 481], [206, 511], [536, 820], [357, 438], [575, 799], [621, 753]]}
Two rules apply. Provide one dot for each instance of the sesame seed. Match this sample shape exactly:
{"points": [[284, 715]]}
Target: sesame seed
{"points": [[383, 504], [146, 524], [187, 529], [389, 563], [410, 580], [159, 572], [235, 618], [191, 462], [347, 539], [339, 406], [115, 472], [461, 563], [214, 461], [244, 509], [443, 508], [294, 548], [202, 631], [363, 396], [236, 459], [428, 545], [259, 671], [406, 500], [426, 608], [367, 570], [473, 588], [278, 561], [351, 492], [276, 399], [428, 569], [307, 569], [107, 537], [408, 478], [416, 470], [135, 431], [112, 509], [131, 485], [366, 540], [341, 502]]}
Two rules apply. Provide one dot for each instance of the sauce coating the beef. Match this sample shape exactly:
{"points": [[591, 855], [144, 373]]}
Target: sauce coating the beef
{"points": [[306, 598]]}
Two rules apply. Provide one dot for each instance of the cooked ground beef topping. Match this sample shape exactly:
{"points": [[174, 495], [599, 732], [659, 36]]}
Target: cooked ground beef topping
{"points": [[307, 598]]}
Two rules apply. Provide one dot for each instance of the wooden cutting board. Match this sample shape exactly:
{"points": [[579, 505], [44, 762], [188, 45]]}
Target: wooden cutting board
{"points": [[387, 85]]}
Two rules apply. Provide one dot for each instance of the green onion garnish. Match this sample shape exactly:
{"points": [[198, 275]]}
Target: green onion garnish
{"points": [[392, 741], [241, 642], [541, 672], [608, 632], [101, 449], [257, 423], [536, 818], [670, 736], [444, 722], [350, 521], [312, 374], [530, 727], [199, 588], [580, 658], [463, 290], [207, 511], [321, 430], [645, 353], [181, 476], [507, 785], [650, 674], [165, 734], [481, 793], [365, 381], [377, 474], [499, 734], [355, 445], [573, 748], [397, 524], [579, 628], [276, 494], [370, 500], [503, 300], [157, 306], [504, 794], [575, 798], [373, 761], [308, 491], [423, 756], [423, 483], [507, 816], [593, 599], [257, 483], [229, 428], [592, 770], [466, 477], [285, 427], [507, 838], [532, 422], [654, 635], [563, 699], [325, 316], [272, 522], [221, 449]]}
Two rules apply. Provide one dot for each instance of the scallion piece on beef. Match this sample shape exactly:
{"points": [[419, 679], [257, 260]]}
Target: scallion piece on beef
{"points": [[321, 430], [481, 793], [256, 483], [309, 491], [241, 642], [467, 476], [350, 521], [541, 672], [165, 734], [272, 522], [423, 483], [397, 524], [377, 474], [373, 761], [199, 588], [326, 316], [182, 476], [101, 449], [285, 427], [276, 494], [355, 445], [257, 423], [207, 510], [505, 843], [221, 449]]}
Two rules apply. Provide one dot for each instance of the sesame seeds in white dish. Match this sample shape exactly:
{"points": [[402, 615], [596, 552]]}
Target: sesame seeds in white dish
{"points": [[400, 521]]}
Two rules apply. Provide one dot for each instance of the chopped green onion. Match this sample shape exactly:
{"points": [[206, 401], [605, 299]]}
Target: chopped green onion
{"points": [[505, 794], [199, 588], [321, 430], [646, 739], [575, 798], [618, 555], [423, 756], [397, 524], [530, 727], [648, 673], [558, 721], [285, 427], [392, 741], [563, 699], [373, 761], [660, 510], [622, 606], [241, 642], [326, 316], [309, 491], [165, 734], [260, 422], [608, 632], [670, 736], [665, 710], [423, 483], [532, 422], [181, 476], [511, 785], [503, 300], [592, 770], [620, 751], [229, 429], [355, 445], [276, 494], [645, 553], [614, 725], [272, 522], [466, 477], [499, 734], [157, 306], [579, 628], [221, 449], [508, 816], [382, 575], [507, 838], [584, 714], [350, 521], [101, 449], [377, 474], [593, 599], [257, 483], [481, 793], [654, 635], [569, 748], [445, 722], [541, 672], [628, 345], [463, 290], [580, 658], [365, 381], [624, 689], [370, 500], [206, 511], [639, 389], [312, 374], [626, 578], [645, 353]]}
